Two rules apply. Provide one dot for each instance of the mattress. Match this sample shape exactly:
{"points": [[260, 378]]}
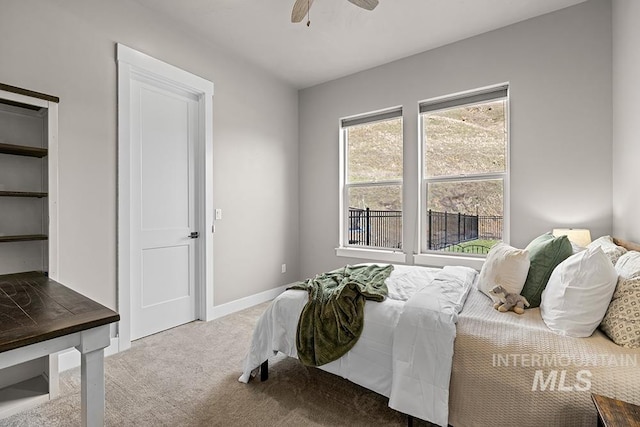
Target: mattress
{"points": [[510, 369]]}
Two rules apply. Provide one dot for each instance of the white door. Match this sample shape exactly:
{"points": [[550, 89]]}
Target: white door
{"points": [[164, 132]]}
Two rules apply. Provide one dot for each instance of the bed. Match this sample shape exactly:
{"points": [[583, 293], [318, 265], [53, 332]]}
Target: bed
{"points": [[502, 360], [406, 346], [440, 352]]}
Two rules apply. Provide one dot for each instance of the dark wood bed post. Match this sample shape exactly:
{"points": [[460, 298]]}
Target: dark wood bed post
{"points": [[409, 421]]}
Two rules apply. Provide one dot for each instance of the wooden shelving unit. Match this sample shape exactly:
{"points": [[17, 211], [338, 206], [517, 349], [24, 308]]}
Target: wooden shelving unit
{"points": [[28, 151], [23, 150], [28, 168]]}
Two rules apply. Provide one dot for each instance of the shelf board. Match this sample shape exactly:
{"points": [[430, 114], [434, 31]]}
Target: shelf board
{"points": [[23, 150], [23, 395], [22, 194], [23, 238]]}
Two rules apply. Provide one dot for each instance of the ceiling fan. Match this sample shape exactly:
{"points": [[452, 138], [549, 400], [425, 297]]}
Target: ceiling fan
{"points": [[301, 8]]}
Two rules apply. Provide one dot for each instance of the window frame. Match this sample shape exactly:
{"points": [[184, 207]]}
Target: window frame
{"points": [[345, 248], [478, 96]]}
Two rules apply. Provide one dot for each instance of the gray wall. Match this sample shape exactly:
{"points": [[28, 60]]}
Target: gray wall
{"points": [[626, 116], [559, 69], [67, 48], [559, 66]]}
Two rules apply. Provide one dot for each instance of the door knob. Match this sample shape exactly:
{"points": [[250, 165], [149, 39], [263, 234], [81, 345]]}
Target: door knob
{"points": [[194, 235]]}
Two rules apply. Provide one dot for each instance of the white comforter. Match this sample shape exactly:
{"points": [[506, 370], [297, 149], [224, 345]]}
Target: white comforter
{"points": [[406, 348], [423, 346]]}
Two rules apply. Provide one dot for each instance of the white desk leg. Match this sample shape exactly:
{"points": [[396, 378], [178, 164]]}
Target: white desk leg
{"points": [[91, 348], [92, 388]]}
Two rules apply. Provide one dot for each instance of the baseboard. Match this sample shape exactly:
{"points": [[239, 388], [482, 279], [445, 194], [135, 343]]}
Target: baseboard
{"points": [[247, 302], [69, 359]]}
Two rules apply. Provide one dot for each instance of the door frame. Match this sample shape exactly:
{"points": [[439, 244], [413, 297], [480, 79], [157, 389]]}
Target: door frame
{"points": [[133, 64]]}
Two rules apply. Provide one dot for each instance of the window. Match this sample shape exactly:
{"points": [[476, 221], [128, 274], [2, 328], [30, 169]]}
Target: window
{"points": [[372, 181], [464, 171]]}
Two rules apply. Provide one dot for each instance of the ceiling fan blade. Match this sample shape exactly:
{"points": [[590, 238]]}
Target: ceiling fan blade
{"points": [[365, 4], [300, 10]]}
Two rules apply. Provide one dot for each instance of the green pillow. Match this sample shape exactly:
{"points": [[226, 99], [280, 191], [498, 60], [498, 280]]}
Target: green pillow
{"points": [[545, 253]]}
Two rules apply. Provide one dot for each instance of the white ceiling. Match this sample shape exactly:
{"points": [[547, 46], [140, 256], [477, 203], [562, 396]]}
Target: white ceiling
{"points": [[342, 38]]}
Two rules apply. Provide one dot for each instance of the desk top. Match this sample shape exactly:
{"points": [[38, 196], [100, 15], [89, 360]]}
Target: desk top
{"points": [[616, 413], [34, 308]]}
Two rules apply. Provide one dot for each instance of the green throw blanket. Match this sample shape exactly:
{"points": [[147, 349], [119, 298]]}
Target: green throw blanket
{"points": [[332, 321]]}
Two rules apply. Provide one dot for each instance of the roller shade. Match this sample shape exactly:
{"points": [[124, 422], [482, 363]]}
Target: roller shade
{"points": [[491, 94], [370, 118]]}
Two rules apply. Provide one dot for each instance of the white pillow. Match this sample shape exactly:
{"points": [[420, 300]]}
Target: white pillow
{"points": [[609, 248], [578, 293], [628, 265], [505, 266]]}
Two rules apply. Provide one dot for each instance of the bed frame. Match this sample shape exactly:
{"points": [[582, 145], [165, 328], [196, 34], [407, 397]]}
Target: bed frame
{"points": [[630, 246]]}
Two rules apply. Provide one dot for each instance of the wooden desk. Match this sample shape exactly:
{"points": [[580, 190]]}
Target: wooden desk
{"points": [[612, 412], [40, 316]]}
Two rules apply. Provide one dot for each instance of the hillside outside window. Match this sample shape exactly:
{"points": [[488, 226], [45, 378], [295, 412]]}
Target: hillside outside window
{"points": [[371, 200], [464, 171]]}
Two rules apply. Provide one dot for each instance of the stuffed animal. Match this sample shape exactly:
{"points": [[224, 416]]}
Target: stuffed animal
{"points": [[508, 301]]}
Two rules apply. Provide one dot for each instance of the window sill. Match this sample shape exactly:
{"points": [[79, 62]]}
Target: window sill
{"points": [[437, 260], [372, 254]]}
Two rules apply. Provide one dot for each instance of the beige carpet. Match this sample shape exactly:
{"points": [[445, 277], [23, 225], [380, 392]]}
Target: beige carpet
{"points": [[188, 376]]}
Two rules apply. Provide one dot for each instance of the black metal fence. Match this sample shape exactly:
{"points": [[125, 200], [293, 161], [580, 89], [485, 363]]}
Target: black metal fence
{"points": [[490, 227], [381, 229], [446, 230]]}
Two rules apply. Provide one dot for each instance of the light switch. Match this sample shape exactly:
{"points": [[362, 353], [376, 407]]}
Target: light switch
{"points": [[218, 213]]}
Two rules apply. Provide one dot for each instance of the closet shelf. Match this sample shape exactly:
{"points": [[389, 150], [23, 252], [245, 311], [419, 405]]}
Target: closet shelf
{"points": [[22, 194], [22, 150], [22, 238]]}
